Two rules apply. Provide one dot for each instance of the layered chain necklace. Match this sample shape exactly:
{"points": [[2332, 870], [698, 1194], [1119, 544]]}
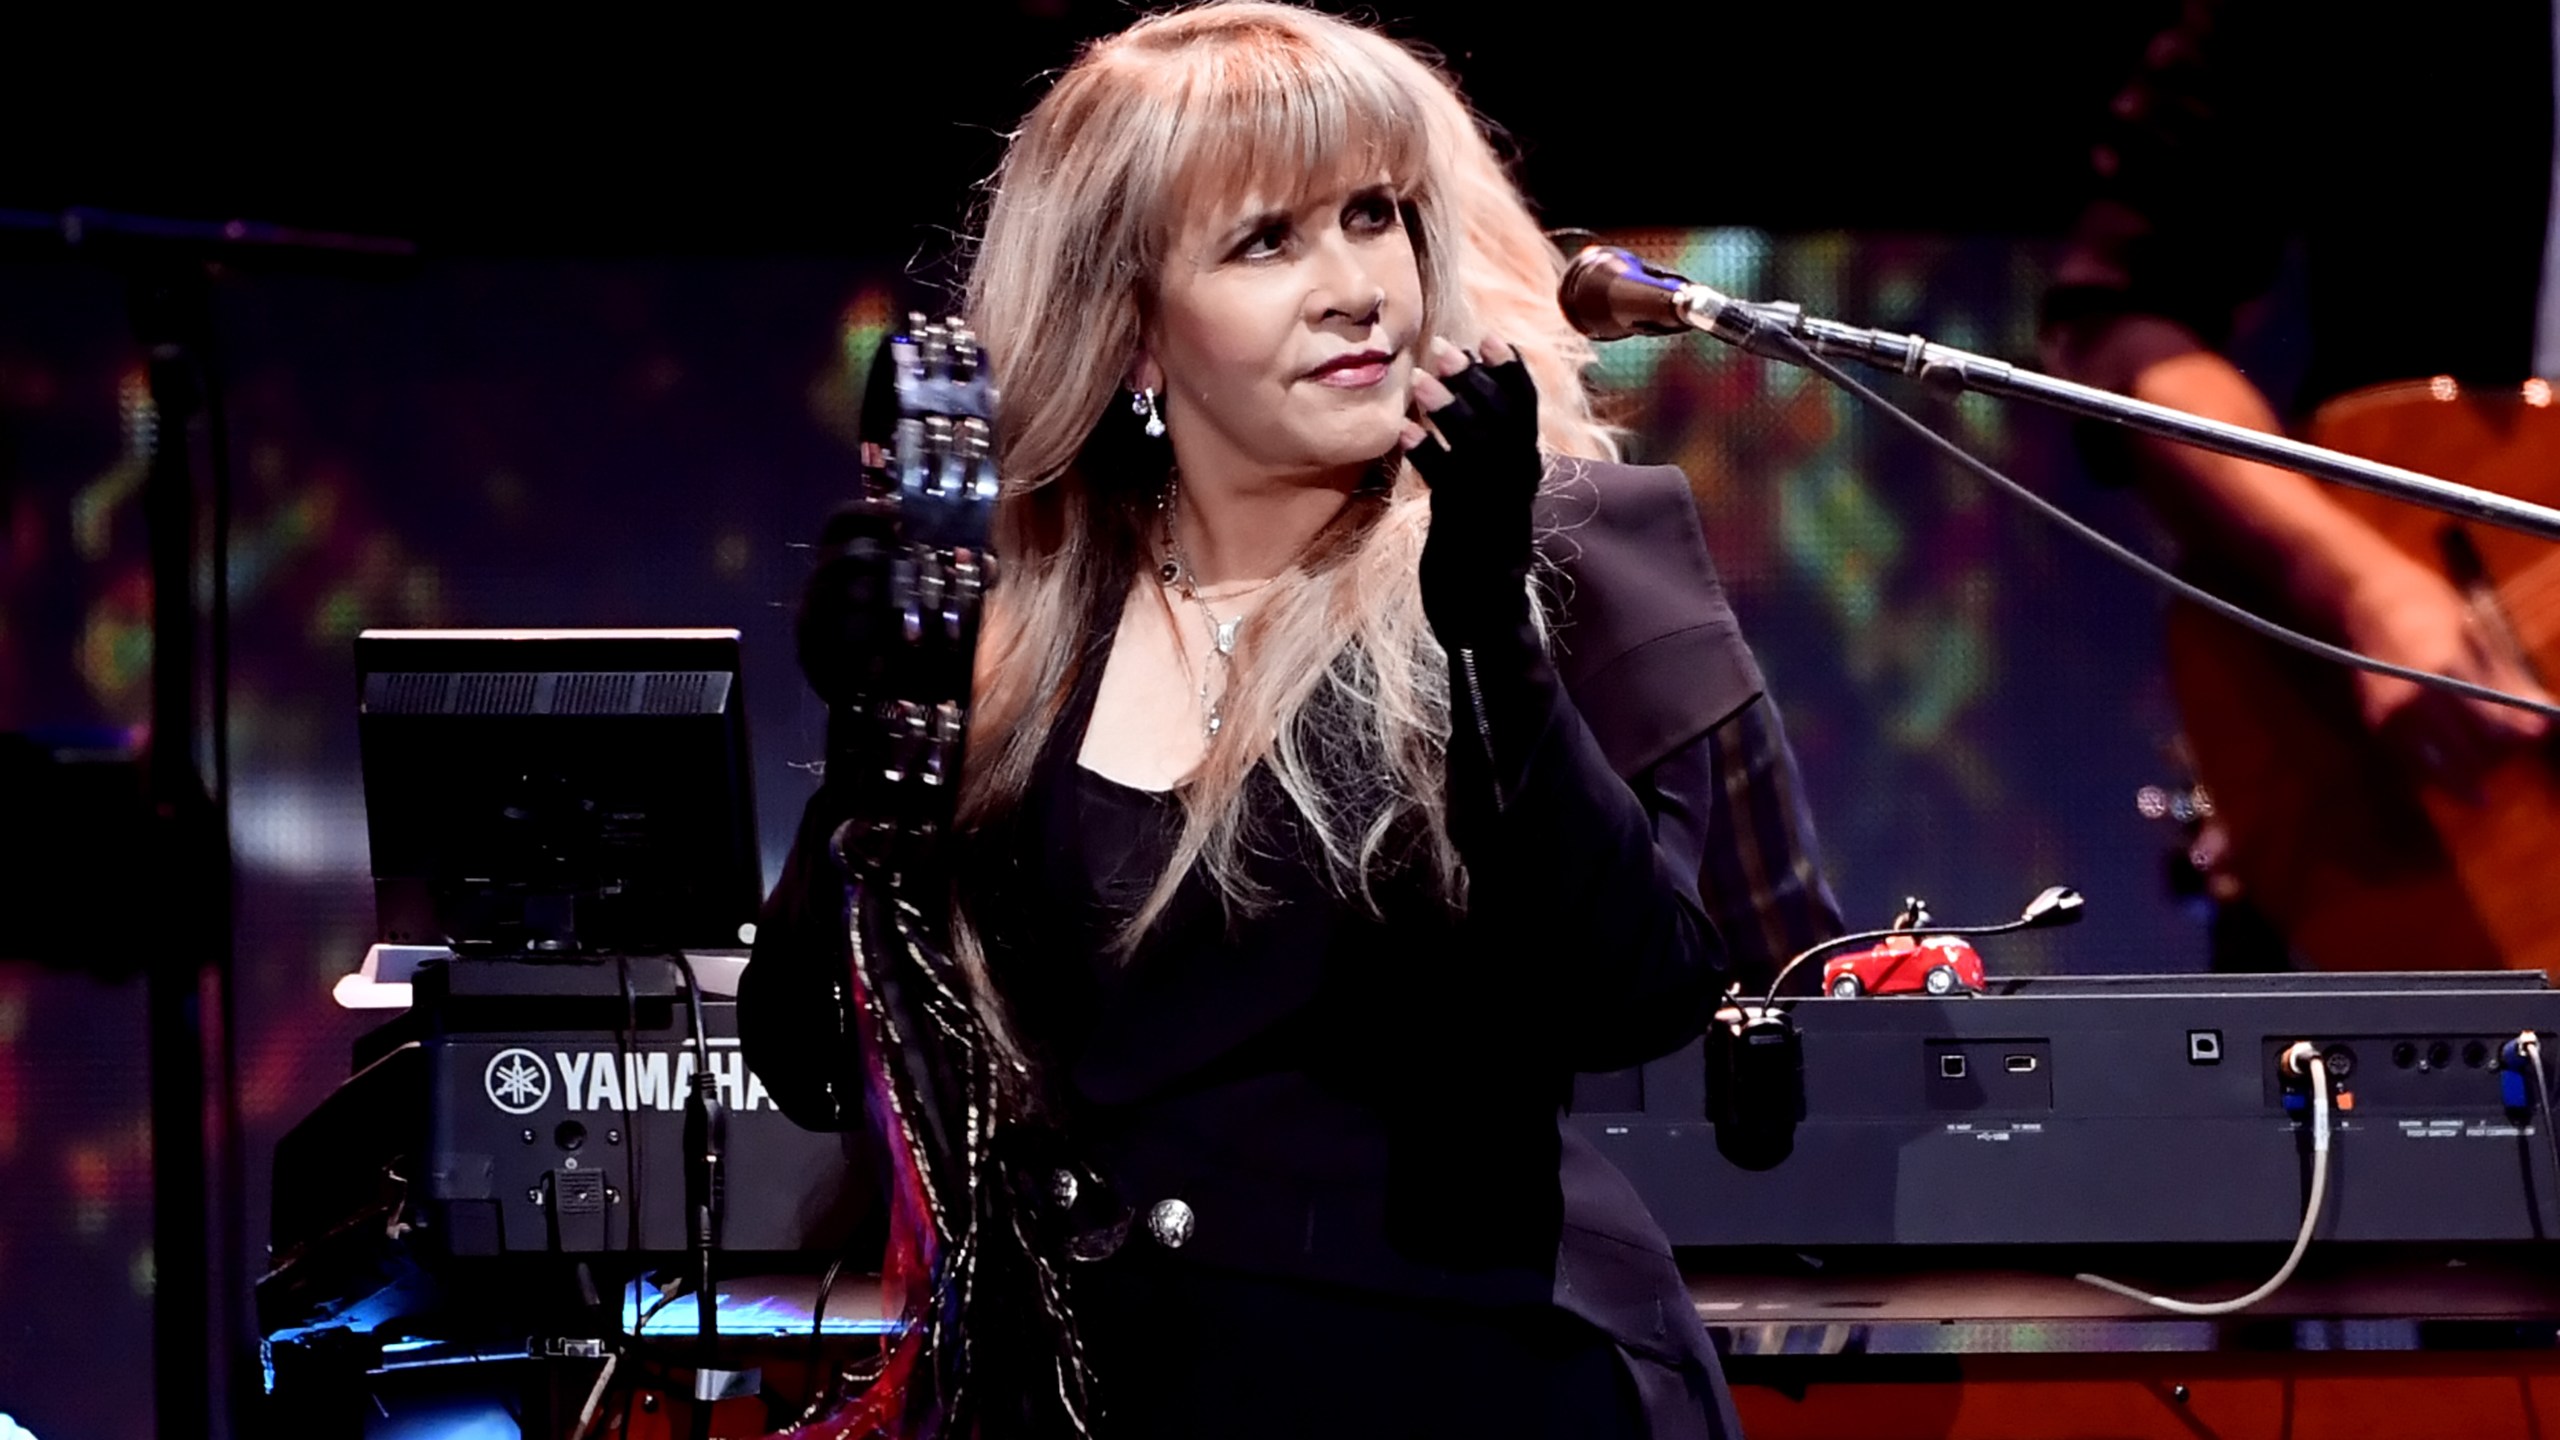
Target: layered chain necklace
{"points": [[1174, 573]]}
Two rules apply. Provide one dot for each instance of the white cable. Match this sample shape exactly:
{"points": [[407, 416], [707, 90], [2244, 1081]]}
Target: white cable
{"points": [[2302, 1056], [595, 1399]]}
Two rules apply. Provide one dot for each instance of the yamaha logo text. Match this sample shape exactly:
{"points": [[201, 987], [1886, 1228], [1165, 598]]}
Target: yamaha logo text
{"points": [[519, 1081]]}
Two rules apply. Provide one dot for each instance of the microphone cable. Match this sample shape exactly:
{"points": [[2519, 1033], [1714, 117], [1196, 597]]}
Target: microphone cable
{"points": [[1796, 352]]}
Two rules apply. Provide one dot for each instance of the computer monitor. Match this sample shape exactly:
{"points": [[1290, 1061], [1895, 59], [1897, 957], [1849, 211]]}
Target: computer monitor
{"points": [[558, 791]]}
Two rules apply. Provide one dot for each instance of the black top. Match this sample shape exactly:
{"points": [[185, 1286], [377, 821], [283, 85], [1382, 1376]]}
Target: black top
{"points": [[1268, 1067], [1371, 1101], [1174, 1346]]}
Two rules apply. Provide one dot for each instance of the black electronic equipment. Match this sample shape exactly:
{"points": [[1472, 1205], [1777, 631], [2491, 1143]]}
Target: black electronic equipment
{"points": [[1755, 1083], [494, 1052], [1755, 1057], [2116, 1110], [521, 1110], [551, 791]]}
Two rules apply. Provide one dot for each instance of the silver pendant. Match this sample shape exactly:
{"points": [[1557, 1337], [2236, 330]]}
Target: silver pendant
{"points": [[1224, 634]]}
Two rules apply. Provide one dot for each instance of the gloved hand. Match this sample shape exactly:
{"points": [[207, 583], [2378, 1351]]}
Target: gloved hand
{"points": [[1483, 470]]}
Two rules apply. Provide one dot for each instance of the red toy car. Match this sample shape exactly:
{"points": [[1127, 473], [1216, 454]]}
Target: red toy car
{"points": [[1939, 965]]}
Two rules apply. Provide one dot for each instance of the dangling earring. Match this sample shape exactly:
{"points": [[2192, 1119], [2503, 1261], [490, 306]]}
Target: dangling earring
{"points": [[1142, 403]]}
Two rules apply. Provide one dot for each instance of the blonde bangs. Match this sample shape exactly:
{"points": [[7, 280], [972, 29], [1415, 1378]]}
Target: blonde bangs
{"points": [[1272, 120]]}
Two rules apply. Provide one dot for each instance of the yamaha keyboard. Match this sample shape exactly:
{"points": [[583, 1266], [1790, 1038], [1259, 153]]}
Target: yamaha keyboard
{"points": [[530, 1111], [2118, 1110], [521, 1109]]}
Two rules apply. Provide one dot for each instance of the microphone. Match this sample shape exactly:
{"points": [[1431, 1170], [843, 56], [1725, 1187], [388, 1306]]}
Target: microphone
{"points": [[1609, 294]]}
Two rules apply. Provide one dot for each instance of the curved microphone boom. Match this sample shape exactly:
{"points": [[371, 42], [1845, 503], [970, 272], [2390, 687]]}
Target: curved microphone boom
{"points": [[1609, 294]]}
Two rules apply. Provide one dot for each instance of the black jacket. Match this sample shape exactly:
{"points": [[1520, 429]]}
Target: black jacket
{"points": [[1652, 658], [1375, 1101]]}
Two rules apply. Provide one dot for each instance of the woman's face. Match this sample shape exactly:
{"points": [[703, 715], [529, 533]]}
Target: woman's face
{"points": [[1284, 336]]}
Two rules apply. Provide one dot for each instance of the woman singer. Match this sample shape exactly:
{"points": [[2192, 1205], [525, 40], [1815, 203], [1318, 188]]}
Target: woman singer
{"points": [[1358, 753]]}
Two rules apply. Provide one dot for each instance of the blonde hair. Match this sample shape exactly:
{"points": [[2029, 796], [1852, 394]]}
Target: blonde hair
{"points": [[1508, 269], [1339, 688]]}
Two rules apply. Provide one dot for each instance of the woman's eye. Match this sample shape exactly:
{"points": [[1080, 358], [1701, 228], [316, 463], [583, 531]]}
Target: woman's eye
{"points": [[1267, 241], [1371, 212]]}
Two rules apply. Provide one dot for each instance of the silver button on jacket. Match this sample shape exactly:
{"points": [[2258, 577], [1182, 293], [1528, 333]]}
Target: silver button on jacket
{"points": [[1171, 1223]]}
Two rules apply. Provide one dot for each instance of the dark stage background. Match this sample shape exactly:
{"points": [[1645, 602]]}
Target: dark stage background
{"points": [[618, 386]]}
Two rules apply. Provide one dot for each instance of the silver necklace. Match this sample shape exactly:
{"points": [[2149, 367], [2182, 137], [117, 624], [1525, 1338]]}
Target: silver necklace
{"points": [[1174, 573]]}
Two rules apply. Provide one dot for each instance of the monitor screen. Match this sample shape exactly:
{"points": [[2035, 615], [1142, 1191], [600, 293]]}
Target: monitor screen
{"points": [[558, 791]]}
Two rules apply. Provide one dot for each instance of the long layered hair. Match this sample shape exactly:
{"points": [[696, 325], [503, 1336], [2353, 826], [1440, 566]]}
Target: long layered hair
{"points": [[1338, 688]]}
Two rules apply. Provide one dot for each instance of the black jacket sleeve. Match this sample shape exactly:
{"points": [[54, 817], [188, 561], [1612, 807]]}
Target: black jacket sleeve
{"points": [[1561, 864], [1574, 855]]}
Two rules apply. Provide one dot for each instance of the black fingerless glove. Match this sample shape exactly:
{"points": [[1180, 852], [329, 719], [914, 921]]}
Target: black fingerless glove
{"points": [[1475, 566]]}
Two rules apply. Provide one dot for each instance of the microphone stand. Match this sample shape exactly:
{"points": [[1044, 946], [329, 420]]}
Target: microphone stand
{"points": [[1755, 326], [168, 267]]}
